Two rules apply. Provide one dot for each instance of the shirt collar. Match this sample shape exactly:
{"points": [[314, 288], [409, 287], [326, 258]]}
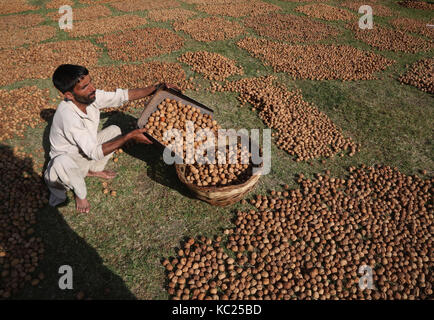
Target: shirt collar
{"points": [[77, 110]]}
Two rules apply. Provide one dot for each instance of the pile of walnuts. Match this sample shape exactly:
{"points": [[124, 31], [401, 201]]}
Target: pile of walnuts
{"points": [[288, 27], [210, 28], [141, 5], [420, 75], [138, 76], [316, 242], [412, 25], [40, 61], [300, 128], [317, 62], [326, 12], [21, 109], [15, 6], [170, 14], [22, 195], [239, 8], [422, 5], [18, 36], [389, 39], [213, 66], [139, 44], [86, 13], [377, 9]]}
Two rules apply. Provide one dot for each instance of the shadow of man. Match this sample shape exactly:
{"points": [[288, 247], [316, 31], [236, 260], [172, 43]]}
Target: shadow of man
{"points": [[35, 241]]}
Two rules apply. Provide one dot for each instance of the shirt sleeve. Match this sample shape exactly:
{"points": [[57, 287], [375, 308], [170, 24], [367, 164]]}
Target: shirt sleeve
{"points": [[86, 142], [104, 99]]}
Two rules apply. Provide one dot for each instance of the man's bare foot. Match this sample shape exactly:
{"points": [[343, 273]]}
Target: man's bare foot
{"points": [[106, 174], [82, 205]]}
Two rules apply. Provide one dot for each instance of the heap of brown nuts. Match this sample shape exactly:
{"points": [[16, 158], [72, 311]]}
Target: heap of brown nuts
{"points": [[420, 75], [13, 22], [56, 4], [209, 28], [138, 44], [15, 6], [107, 25], [413, 25], [377, 9], [21, 108], [288, 27], [326, 12], [25, 36], [172, 114], [311, 243], [22, 194], [239, 8], [389, 39], [317, 62], [212, 65], [300, 128], [170, 14], [86, 13], [40, 61], [140, 5], [138, 76], [422, 5], [221, 174]]}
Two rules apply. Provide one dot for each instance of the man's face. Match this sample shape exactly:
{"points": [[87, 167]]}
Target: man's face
{"points": [[84, 91]]}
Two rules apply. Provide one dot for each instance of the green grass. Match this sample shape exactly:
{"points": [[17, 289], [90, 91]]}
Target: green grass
{"points": [[116, 250]]}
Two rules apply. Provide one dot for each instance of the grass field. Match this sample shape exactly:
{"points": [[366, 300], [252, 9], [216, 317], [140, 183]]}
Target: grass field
{"points": [[116, 250]]}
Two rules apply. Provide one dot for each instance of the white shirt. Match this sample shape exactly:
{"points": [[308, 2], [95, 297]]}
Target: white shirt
{"points": [[73, 131]]}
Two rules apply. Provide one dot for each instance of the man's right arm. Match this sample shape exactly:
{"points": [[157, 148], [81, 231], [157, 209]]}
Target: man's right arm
{"points": [[135, 135]]}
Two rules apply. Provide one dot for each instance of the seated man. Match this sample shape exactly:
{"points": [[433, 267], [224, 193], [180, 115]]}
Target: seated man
{"points": [[77, 149]]}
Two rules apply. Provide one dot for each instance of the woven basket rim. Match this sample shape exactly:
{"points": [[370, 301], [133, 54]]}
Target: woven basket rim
{"points": [[214, 188]]}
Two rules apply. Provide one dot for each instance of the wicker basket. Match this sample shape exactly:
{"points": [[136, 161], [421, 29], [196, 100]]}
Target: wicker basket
{"points": [[218, 196]]}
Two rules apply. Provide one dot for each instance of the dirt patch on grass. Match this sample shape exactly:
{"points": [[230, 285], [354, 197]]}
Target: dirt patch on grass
{"points": [[326, 12], [21, 109], [238, 9], [291, 28], [388, 39], [170, 14], [210, 28], [138, 44], [317, 62], [213, 66], [420, 75], [40, 61], [300, 128], [106, 25]]}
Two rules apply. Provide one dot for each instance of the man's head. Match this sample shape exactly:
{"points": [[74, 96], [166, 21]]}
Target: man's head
{"points": [[75, 83]]}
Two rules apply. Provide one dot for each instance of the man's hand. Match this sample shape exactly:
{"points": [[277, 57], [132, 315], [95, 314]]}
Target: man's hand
{"points": [[172, 86], [138, 136]]}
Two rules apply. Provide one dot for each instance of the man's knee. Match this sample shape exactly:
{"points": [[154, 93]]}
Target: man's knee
{"points": [[109, 133]]}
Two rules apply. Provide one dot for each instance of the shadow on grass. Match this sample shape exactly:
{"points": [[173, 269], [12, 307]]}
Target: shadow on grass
{"points": [[152, 155], [51, 243]]}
